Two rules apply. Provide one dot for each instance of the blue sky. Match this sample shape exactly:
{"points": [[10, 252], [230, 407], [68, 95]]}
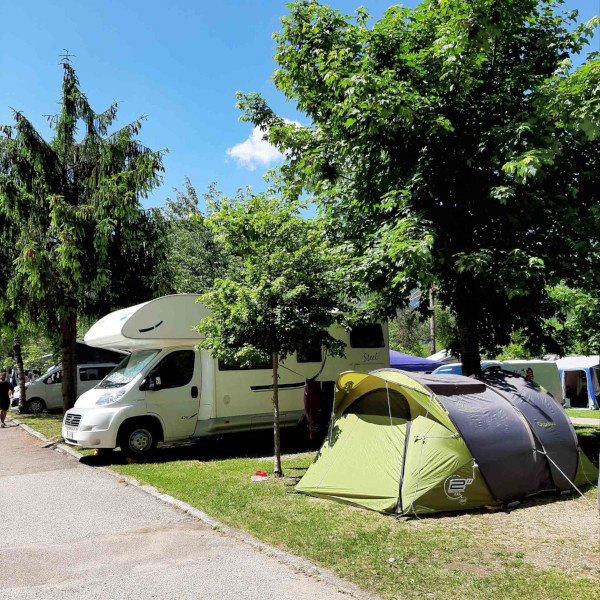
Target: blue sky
{"points": [[178, 62]]}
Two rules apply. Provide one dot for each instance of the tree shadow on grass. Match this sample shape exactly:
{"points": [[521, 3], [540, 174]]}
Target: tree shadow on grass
{"points": [[257, 444]]}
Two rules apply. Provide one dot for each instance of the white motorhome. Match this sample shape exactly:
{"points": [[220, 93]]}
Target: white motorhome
{"points": [[165, 390], [46, 391]]}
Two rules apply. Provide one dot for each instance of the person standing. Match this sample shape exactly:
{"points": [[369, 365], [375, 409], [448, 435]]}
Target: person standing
{"points": [[6, 390]]}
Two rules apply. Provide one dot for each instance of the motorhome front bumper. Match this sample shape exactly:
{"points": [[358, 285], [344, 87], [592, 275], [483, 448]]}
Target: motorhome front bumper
{"points": [[89, 428]]}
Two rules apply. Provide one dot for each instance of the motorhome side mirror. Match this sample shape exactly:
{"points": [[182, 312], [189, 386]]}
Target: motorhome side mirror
{"points": [[152, 382]]}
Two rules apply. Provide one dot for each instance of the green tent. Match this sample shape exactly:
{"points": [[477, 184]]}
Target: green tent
{"points": [[411, 443]]}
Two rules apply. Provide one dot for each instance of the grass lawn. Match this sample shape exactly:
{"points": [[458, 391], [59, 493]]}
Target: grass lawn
{"points": [[583, 414], [49, 424], [546, 549]]}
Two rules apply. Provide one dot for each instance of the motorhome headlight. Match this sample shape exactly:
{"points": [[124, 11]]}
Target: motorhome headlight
{"points": [[109, 397]]}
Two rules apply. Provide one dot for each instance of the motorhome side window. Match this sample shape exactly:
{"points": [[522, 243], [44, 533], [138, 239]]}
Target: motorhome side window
{"points": [[236, 366], [367, 336], [56, 377], [176, 369], [310, 354]]}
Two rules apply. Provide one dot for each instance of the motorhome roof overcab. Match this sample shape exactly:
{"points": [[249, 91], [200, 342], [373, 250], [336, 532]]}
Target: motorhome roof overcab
{"points": [[166, 391]]}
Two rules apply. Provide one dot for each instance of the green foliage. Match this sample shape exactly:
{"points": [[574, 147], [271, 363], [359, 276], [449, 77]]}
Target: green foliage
{"points": [[73, 198], [446, 334], [195, 259], [450, 144], [516, 349], [81, 240], [285, 296], [410, 331], [407, 331], [576, 319]]}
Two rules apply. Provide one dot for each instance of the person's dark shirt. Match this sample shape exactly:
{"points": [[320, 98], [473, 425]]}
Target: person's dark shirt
{"points": [[5, 387]]}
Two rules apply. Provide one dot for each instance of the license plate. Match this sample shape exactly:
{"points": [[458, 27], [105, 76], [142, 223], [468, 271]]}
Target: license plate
{"points": [[70, 435]]}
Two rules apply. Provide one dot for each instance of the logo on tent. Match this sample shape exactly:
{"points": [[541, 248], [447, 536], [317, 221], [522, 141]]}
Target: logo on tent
{"points": [[455, 487]]}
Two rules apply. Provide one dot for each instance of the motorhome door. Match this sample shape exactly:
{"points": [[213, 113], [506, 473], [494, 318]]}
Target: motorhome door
{"points": [[175, 383]]}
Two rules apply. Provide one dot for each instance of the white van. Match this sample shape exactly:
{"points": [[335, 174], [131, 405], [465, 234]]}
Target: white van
{"points": [[545, 373], [165, 390], [46, 391]]}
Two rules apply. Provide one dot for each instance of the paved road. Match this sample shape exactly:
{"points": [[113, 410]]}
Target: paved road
{"points": [[70, 531]]}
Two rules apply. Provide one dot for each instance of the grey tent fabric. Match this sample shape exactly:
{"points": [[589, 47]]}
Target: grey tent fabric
{"points": [[499, 440], [449, 385], [547, 419]]}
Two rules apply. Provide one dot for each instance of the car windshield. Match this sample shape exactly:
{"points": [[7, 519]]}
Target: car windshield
{"points": [[127, 369], [455, 370]]}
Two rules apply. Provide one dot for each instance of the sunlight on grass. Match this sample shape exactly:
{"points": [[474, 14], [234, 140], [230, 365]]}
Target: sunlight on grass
{"points": [[584, 414]]}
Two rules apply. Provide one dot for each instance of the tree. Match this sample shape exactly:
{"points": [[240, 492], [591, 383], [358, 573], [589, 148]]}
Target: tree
{"points": [[408, 332], [451, 145], [195, 259], [575, 321], [74, 204], [284, 298]]}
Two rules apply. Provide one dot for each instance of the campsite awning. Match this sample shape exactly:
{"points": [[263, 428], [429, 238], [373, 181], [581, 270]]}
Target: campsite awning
{"points": [[407, 362]]}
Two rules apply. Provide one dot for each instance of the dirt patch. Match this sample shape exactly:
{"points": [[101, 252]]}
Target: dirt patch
{"points": [[548, 533]]}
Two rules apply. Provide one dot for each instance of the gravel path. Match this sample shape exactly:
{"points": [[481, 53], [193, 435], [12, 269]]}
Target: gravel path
{"points": [[72, 531], [581, 421]]}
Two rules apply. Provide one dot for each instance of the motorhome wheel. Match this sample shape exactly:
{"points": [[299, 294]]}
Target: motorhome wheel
{"points": [[138, 441]]}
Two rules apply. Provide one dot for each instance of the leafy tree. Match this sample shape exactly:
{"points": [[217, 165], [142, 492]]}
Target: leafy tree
{"points": [[74, 203], [408, 331], [576, 319], [450, 145], [195, 259], [284, 298]]}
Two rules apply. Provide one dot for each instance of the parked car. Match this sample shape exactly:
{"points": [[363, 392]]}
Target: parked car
{"points": [[456, 368], [45, 393]]}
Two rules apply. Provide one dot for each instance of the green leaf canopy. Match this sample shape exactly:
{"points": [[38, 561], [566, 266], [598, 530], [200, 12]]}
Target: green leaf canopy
{"points": [[450, 145]]}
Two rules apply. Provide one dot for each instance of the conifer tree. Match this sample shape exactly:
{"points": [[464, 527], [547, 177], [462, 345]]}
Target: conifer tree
{"points": [[73, 203]]}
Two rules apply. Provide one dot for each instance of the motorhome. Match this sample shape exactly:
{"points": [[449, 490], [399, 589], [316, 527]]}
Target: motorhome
{"points": [[166, 390]]}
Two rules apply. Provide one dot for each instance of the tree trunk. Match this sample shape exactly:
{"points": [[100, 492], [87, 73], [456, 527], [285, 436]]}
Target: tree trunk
{"points": [[20, 372], [468, 337], [68, 334], [432, 321], [277, 432]]}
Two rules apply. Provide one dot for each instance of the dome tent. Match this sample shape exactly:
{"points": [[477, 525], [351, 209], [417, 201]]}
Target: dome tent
{"points": [[410, 443]]}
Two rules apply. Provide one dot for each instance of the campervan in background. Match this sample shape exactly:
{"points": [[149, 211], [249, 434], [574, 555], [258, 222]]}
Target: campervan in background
{"points": [[45, 393], [166, 390], [579, 377]]}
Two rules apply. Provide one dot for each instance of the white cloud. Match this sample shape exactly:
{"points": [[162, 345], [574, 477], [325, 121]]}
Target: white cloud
{"points": [[256, 151]]}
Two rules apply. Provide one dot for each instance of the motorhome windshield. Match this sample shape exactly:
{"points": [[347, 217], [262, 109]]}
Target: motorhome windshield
{"points": [[128, 368]]}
